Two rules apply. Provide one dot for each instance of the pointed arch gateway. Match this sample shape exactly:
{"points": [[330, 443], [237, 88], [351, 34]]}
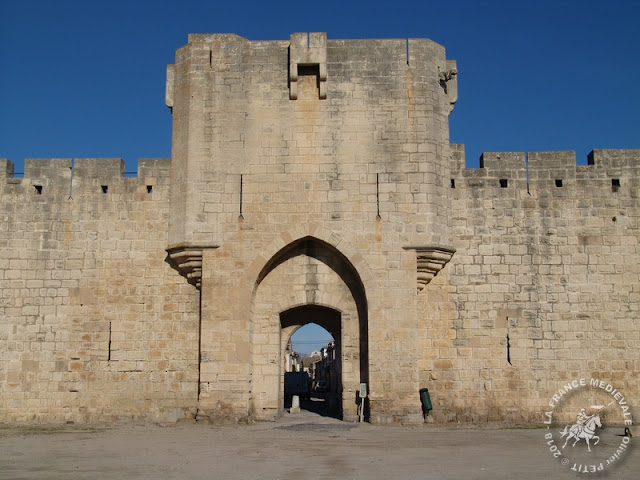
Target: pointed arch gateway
{"points": [[307, 281]]}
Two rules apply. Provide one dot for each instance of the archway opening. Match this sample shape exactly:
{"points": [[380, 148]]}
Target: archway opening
{"points": [[308, 341], [308, 281], [313, 336], [313, 350]]}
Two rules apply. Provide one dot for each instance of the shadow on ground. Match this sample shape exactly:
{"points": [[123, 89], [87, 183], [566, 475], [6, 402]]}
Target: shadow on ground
{"points": [[319, 404]]}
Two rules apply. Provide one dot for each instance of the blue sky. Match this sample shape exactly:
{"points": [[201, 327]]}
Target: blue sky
{"points": [[87, 78]]}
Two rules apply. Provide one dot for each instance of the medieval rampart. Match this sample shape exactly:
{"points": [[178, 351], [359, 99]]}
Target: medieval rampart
{"points": [[96, 326], [543, 288], [312, 180]]}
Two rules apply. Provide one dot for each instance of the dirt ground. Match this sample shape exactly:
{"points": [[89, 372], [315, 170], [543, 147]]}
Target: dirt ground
{"points": [[303, 446]]}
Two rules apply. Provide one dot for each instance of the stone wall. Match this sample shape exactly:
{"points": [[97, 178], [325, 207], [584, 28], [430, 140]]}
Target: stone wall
{"points": [[547, 253], [95, 326]]}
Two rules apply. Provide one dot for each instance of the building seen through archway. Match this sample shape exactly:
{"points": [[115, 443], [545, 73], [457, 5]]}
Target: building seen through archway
{"points": [[314, 354]]}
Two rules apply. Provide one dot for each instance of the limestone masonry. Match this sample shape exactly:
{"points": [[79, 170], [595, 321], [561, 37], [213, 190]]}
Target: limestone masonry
{"points": [[312, 180]]}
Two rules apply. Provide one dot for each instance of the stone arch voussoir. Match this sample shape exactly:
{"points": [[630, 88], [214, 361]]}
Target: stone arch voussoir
{"points": [[257, 268]]}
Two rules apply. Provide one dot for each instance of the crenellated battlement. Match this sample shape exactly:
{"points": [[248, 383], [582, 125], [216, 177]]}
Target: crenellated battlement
{"points": [[544, 169], [44, 175], [86, 167]]}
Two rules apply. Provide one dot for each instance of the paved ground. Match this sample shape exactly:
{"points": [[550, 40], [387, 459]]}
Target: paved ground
{"points": [[305, 446]]}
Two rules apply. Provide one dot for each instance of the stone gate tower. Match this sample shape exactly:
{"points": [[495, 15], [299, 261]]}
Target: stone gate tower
{"points": [[309, 183]]}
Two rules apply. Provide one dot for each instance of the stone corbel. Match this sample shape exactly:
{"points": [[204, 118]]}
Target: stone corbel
{"points": [[187, 260], [430, 260], [308, 50], [448, 78], [170, 86]]}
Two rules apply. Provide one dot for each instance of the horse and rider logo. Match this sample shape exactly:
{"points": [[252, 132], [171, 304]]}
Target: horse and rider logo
{"points": [[587, 424], [585, 427]]}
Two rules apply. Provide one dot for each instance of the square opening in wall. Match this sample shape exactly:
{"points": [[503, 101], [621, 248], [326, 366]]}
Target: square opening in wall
{"points": [[504, 183], [615, 184]]}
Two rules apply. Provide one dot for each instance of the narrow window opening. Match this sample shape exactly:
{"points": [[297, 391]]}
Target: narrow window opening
{"points": [[38, 189], [71, 180], [240, 216], [558, 183], [615, 184], [407, 51], [105, 188], [109, 345], [378, 196], [526, 169], [453, 183], [149, 188], [503, 183]]}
